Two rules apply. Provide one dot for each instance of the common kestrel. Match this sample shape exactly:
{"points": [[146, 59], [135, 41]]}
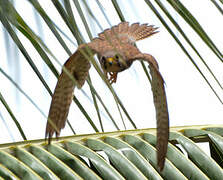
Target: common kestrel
{"points": [[116, 51]]}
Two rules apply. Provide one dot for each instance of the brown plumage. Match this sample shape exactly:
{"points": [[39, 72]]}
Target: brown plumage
{"points": [[116, 52]]}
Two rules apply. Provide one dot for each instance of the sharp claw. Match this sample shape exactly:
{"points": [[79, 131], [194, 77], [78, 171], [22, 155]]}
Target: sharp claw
{"points": [[113, 77]]}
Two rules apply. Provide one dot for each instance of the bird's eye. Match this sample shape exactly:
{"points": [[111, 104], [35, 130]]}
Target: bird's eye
{"points": [[116, 56], [103, 59]]}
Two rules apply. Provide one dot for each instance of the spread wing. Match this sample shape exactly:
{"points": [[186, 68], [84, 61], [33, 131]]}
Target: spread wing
{"points": [[160, 102], [74, 73]]}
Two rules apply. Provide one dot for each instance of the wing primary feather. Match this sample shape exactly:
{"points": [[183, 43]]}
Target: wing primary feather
{"points": [[60, 104], [76, 67], [162, 116], [160, 102]]}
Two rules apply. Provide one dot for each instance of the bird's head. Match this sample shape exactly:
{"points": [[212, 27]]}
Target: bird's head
{"points": [[113, 61]]}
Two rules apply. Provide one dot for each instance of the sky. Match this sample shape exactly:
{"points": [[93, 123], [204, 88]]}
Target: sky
{"points": [[190, 100]]}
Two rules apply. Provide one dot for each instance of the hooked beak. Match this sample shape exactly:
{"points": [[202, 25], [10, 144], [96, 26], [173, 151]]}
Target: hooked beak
{"points": [[110, 60]]}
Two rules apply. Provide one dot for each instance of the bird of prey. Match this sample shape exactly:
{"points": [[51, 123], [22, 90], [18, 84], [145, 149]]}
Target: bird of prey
{"points": [[116, 50]]}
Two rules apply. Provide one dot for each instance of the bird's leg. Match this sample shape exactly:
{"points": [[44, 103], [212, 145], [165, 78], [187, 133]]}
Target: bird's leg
{"points": [[113, 77]]}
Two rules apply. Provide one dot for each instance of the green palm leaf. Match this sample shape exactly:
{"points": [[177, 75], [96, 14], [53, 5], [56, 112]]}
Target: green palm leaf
{"points": [[114, 155]]}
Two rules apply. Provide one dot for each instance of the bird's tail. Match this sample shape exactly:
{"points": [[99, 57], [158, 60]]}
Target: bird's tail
{"points": [[134, 32], [139, 32]]}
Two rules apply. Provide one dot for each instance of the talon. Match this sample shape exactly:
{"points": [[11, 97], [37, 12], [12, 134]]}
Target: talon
{"points": [[113, 77]]}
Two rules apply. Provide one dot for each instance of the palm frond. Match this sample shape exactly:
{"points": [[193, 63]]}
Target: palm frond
{"points": [[115, 155]]}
